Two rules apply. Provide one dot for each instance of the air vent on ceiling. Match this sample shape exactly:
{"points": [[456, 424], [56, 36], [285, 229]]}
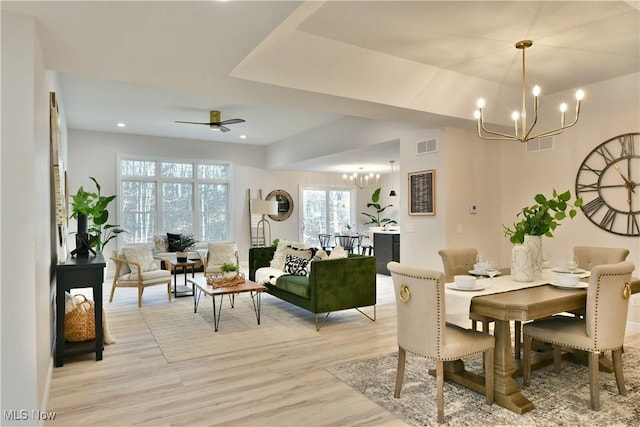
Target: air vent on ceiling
{"points": [[540, 144], [427, 147]]}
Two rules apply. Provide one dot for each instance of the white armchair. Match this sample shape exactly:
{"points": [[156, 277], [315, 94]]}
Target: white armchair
{"points": [[220, 253], [136, 267]]}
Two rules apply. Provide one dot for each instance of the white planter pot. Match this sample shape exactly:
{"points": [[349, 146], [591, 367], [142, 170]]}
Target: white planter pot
{"points": [[534, 243], [521, 264]]}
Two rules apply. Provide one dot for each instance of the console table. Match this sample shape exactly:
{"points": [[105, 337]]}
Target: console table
{"points": [[79, 273]]}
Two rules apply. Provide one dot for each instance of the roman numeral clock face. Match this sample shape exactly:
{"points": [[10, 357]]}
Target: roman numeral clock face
{"points": [[609, 183]]}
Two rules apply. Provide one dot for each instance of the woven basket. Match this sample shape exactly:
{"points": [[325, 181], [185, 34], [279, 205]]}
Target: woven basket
{"points": [[80, 325]]}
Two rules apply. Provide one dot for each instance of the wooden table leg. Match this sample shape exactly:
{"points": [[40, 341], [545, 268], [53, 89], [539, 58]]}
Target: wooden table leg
{"points": [[506, 393]]}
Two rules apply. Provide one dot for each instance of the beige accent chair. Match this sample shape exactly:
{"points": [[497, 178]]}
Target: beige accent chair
{"points": [[135, 267], [590, 256], [220, 253], [602, 329], [459, 261], [420, 308]]}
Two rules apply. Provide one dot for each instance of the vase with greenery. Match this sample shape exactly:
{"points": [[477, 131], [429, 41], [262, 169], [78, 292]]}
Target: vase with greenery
{"points": [[541, 219], [374, 219], [92, 207]]}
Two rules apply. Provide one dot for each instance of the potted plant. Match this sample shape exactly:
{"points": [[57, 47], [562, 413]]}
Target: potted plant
{"points": [[229, 269], [375, 218], [92, 206], [540, 219], [182, 245]]}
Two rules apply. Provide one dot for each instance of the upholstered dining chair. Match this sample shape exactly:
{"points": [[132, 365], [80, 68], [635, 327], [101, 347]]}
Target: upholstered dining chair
{"points": [[602, 329], [590, 256], [220, 253], [420, 309], [136, 267]]}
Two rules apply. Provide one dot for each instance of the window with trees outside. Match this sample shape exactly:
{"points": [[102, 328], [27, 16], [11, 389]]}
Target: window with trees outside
{"points": [[187, 197]]}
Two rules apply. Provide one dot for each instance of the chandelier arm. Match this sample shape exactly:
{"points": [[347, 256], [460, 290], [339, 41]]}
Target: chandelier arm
{"points": [[561, 128], [490, 132]]}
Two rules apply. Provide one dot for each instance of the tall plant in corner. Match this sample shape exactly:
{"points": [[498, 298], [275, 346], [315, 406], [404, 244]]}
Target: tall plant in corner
{"points": [[93, 205], [375, 217]]}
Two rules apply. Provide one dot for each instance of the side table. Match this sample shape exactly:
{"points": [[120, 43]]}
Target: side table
{"points": [[184, 267], [79, 273]]}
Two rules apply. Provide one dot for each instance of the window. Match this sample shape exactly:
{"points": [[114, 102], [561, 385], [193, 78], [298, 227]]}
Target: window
{"points": [[325, 211], [159, 196]]}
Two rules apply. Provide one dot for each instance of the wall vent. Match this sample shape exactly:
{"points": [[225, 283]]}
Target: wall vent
{"points": [[427, 147], [540, 144]]}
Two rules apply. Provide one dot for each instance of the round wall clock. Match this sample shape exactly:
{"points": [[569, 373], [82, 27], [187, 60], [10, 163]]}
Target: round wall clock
{"points": [[285, 204], [608, 181]]}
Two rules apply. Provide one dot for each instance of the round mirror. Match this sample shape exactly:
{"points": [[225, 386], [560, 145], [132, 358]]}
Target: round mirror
{"points": [[285, 204]]}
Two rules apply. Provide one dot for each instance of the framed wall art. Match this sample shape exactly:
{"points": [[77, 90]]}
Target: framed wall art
{"points": [[422, 192]]}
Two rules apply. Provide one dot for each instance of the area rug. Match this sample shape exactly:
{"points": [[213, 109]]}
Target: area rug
{"points": [[182, 334], [559, 399]]}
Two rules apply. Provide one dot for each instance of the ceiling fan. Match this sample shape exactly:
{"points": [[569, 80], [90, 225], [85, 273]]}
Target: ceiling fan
{"points": [[215, 123]]}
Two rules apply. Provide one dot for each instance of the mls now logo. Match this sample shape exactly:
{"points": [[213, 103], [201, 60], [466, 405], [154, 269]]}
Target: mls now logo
{"points": [[24, 415]]}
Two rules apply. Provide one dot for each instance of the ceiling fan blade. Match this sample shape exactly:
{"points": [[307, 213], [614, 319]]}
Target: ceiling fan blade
{"points": [[195, 123], [224, 129], [231, 121]]}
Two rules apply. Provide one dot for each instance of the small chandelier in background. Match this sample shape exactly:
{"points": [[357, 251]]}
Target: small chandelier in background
{"points": [[521, 133], [392, 193], [361, 180]]}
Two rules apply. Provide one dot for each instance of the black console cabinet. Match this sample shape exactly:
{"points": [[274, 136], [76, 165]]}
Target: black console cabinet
{"points": [[79, 273], [387, 248]]}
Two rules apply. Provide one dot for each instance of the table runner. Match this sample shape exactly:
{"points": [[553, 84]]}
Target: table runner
{"points": [[458, 303]]}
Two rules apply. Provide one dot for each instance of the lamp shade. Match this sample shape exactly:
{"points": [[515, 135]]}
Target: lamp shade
{"points": [[264, 207], [392, 193]]}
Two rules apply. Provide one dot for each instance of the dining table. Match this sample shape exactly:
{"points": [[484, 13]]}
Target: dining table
{"points": [[504, 300]]}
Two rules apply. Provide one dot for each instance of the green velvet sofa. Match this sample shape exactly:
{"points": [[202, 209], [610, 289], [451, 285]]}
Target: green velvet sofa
{"points": [[332, 285]]}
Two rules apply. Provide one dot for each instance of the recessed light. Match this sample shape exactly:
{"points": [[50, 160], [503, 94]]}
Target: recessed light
{"points": [[120, 125], [243, 136]]}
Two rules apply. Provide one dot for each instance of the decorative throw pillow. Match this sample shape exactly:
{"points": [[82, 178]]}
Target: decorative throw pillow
{"points": [[161, 243], [338, 252], [171, 239], [142, 255], [296, 265], [283, 248]]}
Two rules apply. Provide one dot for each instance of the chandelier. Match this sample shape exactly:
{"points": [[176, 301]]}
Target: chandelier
{"points": [[521, 132], [361, 180]]}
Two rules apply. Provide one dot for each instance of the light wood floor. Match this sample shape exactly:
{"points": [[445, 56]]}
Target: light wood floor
{"points": [[280, 385]]}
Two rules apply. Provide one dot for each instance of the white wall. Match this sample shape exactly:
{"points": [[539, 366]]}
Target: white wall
{"points": [[25, 227], [96, 153], [610, 108]]}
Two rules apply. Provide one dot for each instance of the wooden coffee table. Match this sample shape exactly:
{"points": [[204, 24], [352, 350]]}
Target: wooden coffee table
{"points": [[201, 287]]}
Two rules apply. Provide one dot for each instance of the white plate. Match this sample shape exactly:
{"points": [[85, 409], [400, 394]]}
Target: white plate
{"points": [[480, 273], [455, 287], [566, 270], [580, 285]]}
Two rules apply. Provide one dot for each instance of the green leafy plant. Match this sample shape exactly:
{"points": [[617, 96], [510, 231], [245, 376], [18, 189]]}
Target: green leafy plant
{"points": [[375, 218], [275, 242], [184, 243], [542, 218], [228, 267], [94, 205]]}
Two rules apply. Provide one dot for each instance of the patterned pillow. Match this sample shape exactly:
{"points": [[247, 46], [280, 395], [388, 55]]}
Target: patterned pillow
{"points": [[161, 243], [140, 254], [296, 265], [288, 247]]}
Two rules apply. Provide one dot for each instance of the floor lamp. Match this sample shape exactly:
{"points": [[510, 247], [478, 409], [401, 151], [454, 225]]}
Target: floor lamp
{"points": [[264, 207]]}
